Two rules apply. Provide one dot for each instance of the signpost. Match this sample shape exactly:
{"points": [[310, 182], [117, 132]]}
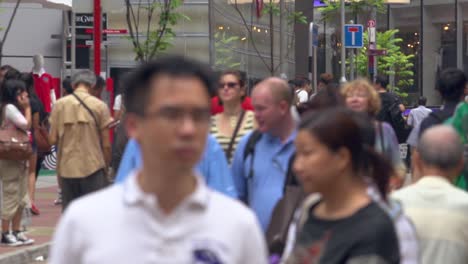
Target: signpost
{"points": [[354, 37], [313, 44], [372, 64]]}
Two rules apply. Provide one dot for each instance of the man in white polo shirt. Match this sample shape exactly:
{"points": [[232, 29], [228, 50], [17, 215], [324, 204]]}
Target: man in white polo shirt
{"points": [[163, 213]]}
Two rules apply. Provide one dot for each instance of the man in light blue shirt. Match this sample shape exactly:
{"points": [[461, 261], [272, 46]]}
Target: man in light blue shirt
{"points": [[213, 166], [262, 188]]}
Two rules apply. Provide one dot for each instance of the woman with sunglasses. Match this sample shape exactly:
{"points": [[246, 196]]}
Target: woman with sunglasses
{"points": [[340, 222], [234, 122]]}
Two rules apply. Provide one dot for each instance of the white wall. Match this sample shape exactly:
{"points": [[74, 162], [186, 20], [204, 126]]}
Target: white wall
{"points": [[30, 34]]}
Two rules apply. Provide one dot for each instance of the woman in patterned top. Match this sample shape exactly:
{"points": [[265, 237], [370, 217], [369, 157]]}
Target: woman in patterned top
{"points": [[231, 91]]}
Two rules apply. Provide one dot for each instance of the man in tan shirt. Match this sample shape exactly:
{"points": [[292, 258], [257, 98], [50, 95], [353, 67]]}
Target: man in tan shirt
{"points": [[82, 139]]}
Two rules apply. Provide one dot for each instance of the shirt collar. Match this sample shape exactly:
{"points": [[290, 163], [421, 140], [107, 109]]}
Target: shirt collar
{"points": [[436, 181], [133, 195], [81, 90], [290, 139]]}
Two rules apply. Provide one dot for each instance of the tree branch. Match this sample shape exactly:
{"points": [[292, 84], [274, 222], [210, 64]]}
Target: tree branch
{"points": [[244, 21], [162, 29]]}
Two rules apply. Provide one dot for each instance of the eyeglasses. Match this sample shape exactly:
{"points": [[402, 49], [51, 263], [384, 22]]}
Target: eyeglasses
{"points": [[230, 85], [176, 115]]}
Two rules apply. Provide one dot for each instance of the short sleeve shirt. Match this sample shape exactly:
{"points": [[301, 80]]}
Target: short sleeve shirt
{"points": [[79, 152], [367, 236]]}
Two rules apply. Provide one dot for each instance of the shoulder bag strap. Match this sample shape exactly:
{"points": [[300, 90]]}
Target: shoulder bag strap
{"points": [[94, 117], [234, 135]]}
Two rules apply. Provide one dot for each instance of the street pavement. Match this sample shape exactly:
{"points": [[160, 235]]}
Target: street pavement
{"points": [[41, 228]]}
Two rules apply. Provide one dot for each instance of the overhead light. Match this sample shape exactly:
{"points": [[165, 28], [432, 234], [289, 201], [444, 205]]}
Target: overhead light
{"points": [[446, 28], [244, 38]]}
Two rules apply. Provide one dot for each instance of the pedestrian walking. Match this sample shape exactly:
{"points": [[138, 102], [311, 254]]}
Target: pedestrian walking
{"points": [[436, 207], [418, 114], [79, 126], [262, 157], [229, 126], [340, 222], [361, 97], [163, 213], [15, 114]]}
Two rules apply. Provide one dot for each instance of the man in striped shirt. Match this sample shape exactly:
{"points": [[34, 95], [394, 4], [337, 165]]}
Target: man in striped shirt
{"points": [[436, 207]]}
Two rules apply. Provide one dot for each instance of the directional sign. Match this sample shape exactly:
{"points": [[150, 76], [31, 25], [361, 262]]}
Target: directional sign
{"points": [[353, 36], [377, 52]]}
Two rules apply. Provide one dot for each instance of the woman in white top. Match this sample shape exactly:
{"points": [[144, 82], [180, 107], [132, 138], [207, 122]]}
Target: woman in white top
{"points": [[15, 111]]}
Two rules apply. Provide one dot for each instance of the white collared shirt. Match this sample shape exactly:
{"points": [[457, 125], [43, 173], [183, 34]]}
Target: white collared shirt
{"points": [[122, 224]]}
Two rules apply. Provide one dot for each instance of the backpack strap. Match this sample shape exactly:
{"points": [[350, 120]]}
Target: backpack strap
{"points": [[290, 176], [250, 150], [440, 116]]}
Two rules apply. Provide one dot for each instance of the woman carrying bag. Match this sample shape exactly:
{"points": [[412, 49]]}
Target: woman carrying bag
{"points": [[15, 114]]}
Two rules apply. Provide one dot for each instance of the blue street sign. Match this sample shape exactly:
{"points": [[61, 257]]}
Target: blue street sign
{"points": [[315, 35], [354, 37]]}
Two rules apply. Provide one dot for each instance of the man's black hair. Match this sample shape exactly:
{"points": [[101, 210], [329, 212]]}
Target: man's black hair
{"points": [[67, 85], [451, 84], [300, 83], [382, 81], [100, 82], [138, 82], [422, 101]]}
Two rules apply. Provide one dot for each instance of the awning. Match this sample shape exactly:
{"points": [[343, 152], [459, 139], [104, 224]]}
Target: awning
{"points": [[54, 4]]}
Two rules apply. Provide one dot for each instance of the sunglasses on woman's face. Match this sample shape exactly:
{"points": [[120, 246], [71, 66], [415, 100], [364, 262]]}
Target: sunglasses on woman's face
{"points": [[230, 85]]}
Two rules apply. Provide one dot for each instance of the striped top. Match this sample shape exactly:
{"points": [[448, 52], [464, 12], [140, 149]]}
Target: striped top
{"points": [[224, 140]]}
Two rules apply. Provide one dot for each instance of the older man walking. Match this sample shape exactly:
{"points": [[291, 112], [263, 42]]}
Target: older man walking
{"points": [[436, 207]]}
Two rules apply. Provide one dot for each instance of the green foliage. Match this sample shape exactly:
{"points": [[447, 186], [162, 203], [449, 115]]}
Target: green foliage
{"points": [[361, 7], [394, 64], [158, 39], [223, 55]]}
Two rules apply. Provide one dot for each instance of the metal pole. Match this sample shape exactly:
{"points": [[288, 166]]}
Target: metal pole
{"points": [[73, 42], [211, 33], [97, 37], [311, 40], [343, 49], [421, 48]]}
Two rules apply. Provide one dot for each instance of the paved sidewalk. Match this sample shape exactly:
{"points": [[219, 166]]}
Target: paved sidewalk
{"points": [[41, 228]]}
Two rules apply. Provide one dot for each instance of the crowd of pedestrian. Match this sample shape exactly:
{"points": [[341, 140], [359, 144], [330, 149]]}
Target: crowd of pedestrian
{"points": [[242, 177]]}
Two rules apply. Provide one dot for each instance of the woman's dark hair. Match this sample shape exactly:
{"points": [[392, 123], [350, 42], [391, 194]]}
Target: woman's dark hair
{"points": [[325, 98], [339, 128], [10, 91], [28, 80], [12, 74], [451, 84]]}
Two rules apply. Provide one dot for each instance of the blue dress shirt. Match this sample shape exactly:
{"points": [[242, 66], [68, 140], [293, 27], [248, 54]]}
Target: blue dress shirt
{"points": [[213, 166], [270, 165]]}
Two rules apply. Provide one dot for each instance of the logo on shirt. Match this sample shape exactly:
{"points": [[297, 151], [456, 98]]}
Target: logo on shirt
{"points": [[205, 256]]}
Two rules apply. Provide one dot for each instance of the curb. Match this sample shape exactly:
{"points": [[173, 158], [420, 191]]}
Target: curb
{"points": [[27, 255]]}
